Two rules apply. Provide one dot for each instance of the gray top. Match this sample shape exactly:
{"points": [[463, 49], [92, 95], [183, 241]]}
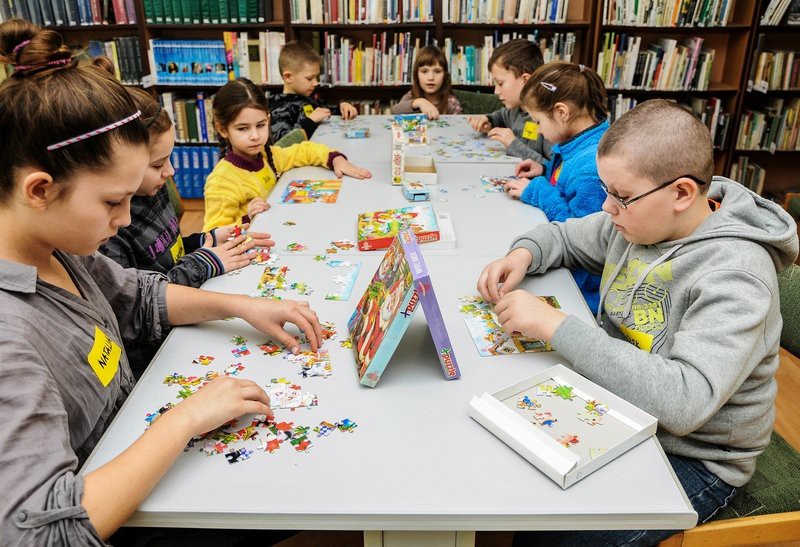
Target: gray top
{"points": [[54, 406], [514, 119], [705, 311], [404, 105]]}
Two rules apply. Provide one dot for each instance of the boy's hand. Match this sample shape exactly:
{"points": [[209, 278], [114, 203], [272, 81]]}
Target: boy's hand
{"points": [[222, 400], [502, 134], [256, 206], [223, 233], [520, 311], [343, 167], [270, 316], [528, 169], [509, 271], [426, 107], [514, 188], [348, 111], [319, 115], [481, 123]]}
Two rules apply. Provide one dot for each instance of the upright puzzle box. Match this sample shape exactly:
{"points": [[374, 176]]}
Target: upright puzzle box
{"points": [[386, 308], [563, 423]]}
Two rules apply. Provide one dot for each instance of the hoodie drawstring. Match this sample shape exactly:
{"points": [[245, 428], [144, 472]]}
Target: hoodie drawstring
{"points": [[643, 275], [604, 290]]}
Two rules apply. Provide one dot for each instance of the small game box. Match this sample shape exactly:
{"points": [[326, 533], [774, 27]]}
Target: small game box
{"points": [[421, 168], [360, 133], [414, 190], [398, 155], [563, 423]]}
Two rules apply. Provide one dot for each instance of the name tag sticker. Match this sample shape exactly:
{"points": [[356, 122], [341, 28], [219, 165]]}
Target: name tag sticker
{"points": [[104, 356], [530, 131], [308, 109], [177, 250]]}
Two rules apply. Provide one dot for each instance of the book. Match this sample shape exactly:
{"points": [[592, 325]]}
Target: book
{"points": [[385, 310], [564, 424], [377, 230]]}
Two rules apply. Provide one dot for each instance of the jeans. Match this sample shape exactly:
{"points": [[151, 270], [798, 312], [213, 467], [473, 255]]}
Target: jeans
{"points": [[706, 492]]}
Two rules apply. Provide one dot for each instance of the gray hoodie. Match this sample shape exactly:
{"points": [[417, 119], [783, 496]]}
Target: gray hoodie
{"points": [[514, 118], [690, 329]]}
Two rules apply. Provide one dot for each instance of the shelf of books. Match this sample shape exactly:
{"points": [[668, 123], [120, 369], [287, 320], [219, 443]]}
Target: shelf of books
{"points": [[689, 51], [767, 144]]}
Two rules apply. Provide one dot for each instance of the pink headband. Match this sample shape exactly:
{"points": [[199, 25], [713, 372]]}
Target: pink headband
{"points": [[20, 46], [22, 68], [94, 132]]}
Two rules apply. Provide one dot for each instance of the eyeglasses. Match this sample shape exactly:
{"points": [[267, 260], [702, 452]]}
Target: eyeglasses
{"points": [[625, 202]]}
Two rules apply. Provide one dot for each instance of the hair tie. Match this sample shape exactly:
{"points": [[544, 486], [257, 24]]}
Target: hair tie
{"points": [[150, 122], [94, 132], [19, 46], [549, 87], [582, 67], [23, 68]]}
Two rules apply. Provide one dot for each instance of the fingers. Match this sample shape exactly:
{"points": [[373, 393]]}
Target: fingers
{"points": [[512, 279], [306, 320]]}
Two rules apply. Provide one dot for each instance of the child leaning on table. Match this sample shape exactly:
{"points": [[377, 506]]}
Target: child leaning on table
{"points": [[431, 92], [568, 103], [74, 151], [296, 107], [510, 65], [689, 324], [242, 180], [153, 240]]}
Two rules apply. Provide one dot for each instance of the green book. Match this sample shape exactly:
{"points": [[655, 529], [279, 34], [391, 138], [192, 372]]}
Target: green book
{"points": [[149, 15], [169, 17], [205, 11], [233, 11], [191, 121], [243, 19], [194, 11], [216, 15], [158, 11], [177, 12], [252, 11], [224, 14]]}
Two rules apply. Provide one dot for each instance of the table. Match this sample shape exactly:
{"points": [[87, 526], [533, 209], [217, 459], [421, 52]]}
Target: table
{"points": [[417, 467]]}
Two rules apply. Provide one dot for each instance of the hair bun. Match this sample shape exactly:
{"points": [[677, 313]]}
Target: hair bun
{"points": [[27, 46]]}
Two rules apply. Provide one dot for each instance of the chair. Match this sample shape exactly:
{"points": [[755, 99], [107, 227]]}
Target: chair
{"points": [[767, 510], [477, 103], [292, 137]]}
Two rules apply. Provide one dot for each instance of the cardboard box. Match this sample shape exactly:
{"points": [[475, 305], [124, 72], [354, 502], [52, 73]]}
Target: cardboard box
{"points": [[414, 190], [398, 154], [555, 433], [420, 168]]}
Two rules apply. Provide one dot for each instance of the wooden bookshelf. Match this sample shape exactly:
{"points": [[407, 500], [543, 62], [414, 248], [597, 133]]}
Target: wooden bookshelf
{"points": [[780, 165]]}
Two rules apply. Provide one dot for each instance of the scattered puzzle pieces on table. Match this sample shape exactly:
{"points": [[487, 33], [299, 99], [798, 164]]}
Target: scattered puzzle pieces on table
{"points": [[296, 247], [203, 360]]}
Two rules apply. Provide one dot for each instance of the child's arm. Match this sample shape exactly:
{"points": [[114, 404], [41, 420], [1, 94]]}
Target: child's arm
{"points": [[312, 153], [577, 196], [404, 105]]}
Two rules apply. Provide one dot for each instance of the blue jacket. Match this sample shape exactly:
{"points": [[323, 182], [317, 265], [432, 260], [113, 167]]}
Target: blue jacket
{"points": [[577, 192]]}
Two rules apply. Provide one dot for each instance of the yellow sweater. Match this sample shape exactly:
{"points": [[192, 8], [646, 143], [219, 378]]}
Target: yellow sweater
{"points": [[229, 187]]}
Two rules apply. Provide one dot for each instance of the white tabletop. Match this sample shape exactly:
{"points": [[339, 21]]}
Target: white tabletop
{"points": [[417, 461]]}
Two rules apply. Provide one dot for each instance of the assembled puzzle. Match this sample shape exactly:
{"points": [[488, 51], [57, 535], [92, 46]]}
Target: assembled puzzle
{"points": [[377, 230]]}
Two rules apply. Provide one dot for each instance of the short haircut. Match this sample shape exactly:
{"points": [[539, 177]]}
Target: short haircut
{"points": [[295, 54], [661, 140], [518, 56]]}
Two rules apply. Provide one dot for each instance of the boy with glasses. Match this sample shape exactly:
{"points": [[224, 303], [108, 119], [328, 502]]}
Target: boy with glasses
{"points": [[689, 319]]}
